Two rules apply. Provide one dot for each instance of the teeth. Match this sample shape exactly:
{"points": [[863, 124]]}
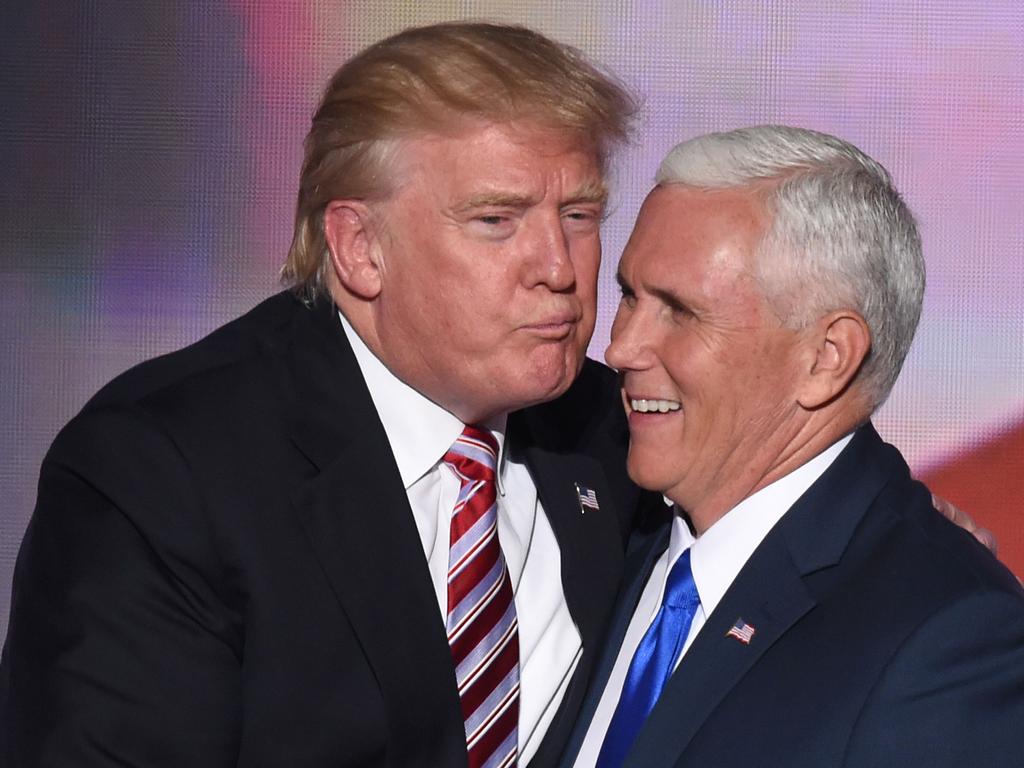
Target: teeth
{"points": [[654, 406]]}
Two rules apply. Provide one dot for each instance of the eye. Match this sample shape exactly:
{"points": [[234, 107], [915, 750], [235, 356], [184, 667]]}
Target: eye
{"points": [[628, 298], [582, 218], [680, 313], [493, 225]]}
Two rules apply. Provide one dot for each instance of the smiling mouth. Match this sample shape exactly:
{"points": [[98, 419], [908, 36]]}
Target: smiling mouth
{"points": [[650, 405]]}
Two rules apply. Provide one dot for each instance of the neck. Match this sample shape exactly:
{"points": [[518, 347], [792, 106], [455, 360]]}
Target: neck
{"points": [[404, 363], [789, 452]]}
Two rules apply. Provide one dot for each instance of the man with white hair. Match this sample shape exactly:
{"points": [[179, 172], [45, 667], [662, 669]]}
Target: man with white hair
{"points": [[808, 608]]}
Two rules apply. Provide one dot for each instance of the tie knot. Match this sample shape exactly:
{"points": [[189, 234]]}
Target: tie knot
{"points": [[473, 453], [680, 588]]}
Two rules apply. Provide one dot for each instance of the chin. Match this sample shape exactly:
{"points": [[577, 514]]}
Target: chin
{"points": [[517, 391], [553, 374], [640, 473], [537, 394]]}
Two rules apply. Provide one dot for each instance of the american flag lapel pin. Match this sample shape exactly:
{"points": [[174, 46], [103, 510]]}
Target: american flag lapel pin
{"points": [[587, 498], [741, 631]]}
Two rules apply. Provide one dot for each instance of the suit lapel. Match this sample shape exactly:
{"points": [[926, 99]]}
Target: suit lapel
{"points": [[644, 550], [590, 548], [357, 518], [770, 596], [771, 593], [588, 539]]}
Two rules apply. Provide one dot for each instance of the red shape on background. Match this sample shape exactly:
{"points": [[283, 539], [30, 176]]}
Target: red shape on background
{"points": [[987, 482]]}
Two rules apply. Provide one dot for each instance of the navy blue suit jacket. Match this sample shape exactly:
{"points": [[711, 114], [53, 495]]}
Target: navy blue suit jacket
{"points": [[223, 569], [885, 636]]}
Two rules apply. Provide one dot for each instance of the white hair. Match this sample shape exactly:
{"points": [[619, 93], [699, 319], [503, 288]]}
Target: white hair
{"points": [[841, 236]]}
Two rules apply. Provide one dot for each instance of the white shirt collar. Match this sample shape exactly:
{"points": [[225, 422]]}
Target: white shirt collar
{"points": [[722, 550], [419, 430]]}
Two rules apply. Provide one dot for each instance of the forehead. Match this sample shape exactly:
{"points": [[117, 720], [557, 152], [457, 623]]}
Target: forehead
{"points": [[477, 153], [695, 237]]}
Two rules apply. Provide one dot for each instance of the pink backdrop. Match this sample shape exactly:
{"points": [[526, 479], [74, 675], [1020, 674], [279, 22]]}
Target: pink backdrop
{"points": [[150, 154]]}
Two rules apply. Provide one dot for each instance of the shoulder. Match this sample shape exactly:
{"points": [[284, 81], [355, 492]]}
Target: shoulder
{"points": [[938, 588], [590, 413], [935, 560], [221, 390], [230, 345], [887, 536], [871, 545], [589, 419], [939, 571], [936, 626]]}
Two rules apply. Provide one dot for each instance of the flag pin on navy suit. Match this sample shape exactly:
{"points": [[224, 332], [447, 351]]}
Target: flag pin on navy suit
{"points": [[741, 631], [587, 498]]}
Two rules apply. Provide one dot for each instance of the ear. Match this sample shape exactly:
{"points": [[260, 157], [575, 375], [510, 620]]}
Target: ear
{"points": [[839, 342], [351, 236]]}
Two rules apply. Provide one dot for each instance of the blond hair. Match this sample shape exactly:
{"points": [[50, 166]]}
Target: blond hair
{"points": [[427, 79]]}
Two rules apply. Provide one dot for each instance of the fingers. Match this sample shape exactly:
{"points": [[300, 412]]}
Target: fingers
{"points": [[965, 521], [952, 513], [986, 537]]}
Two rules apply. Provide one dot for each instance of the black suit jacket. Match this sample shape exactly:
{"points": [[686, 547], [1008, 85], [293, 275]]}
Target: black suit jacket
{"points": [[885, 636], [223, 569]]}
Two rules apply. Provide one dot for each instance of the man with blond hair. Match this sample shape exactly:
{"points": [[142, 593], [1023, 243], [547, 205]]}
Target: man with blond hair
{"points": [[809, 607], [345, 529]]}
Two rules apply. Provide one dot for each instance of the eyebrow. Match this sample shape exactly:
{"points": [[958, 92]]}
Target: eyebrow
{"points": [[623, 285], [670, 300], [667, 298], [590, 192], [495, 200]]}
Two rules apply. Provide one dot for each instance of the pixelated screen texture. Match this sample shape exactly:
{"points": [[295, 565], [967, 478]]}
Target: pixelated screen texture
{"points": [[151, 151]]}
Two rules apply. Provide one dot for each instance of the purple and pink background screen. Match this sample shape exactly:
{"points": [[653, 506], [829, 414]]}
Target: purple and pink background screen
{"points": [[150, 153]]}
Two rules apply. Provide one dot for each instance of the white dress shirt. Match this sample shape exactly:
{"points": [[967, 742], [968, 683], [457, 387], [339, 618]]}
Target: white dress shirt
{"points": [[420, 433], [716, 557]]}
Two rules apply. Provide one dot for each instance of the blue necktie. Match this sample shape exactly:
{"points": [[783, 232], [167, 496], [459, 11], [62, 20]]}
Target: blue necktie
{"points": [[652, 664]]}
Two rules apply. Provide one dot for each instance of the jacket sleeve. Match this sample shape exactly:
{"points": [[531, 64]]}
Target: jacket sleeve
{"points": [[120, 650], [954, 693]]}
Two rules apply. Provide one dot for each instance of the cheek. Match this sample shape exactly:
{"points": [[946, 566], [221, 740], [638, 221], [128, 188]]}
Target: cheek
{"points": [[660, 465], [617, 337], [469, 300], [587, 269], [489, 283], [760, 374], [481, 323]]}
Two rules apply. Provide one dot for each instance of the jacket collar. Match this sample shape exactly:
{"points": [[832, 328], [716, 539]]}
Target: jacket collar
{"points": [[771, 593]]}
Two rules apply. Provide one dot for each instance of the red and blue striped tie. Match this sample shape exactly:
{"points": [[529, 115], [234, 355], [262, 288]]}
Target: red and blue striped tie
{"points": [[481, 621]]}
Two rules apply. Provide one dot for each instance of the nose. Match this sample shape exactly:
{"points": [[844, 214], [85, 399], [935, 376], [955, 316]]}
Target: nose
{"points": [[630, 346], [551, 262]]}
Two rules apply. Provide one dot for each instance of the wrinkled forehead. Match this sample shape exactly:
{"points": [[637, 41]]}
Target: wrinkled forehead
{"points": [[697, 242], [541, 134], [483, 153], [680, 218]]}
